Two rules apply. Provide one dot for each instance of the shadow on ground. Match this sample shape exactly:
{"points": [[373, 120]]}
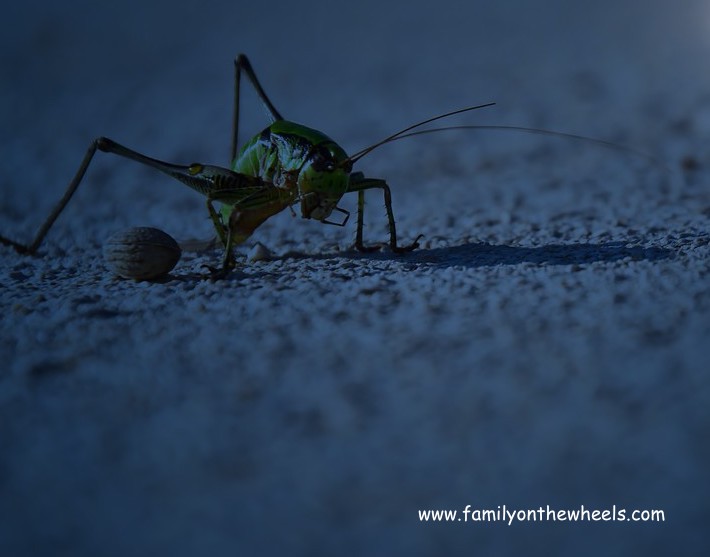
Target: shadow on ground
{"points": [[479, 255], [486, 255], [469, 255]]}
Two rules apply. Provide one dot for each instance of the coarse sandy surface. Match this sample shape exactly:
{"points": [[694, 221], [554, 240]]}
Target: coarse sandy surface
{"points": [[546, 346]]}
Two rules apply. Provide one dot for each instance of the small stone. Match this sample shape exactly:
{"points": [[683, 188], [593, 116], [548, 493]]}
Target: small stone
{"points": [[259, 253], [141, 253]]}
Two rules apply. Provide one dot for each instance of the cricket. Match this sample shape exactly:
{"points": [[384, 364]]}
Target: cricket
{"points": [[285, 165]]}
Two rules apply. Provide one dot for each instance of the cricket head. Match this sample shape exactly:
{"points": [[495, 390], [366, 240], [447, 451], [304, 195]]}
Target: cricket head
{"points": [[322, 181]]}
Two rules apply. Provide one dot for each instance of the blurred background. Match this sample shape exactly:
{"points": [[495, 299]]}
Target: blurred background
{"points": [[242, 479], [144, 73], [134, 69]]}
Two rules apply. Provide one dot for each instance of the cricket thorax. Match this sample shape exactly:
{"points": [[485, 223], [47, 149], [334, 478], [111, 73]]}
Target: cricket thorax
{"points": [[301, 160]]}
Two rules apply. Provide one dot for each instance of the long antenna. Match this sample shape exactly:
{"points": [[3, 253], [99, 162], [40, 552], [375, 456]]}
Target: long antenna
{"points": [[353, 158], [539, 131]]}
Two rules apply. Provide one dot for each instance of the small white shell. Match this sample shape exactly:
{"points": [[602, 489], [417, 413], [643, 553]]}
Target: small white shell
{"points": [[259, 253], [141, 253]]}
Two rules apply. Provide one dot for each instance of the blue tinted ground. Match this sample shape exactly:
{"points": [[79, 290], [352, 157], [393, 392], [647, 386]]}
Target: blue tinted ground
{"points": [[546, 345]]}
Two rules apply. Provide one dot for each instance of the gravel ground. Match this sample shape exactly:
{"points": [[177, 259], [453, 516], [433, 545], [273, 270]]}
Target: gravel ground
{"points": [[546, 345]]}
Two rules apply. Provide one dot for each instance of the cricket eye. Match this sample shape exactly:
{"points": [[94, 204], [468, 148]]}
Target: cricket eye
{"points": [[194, 169], [322, 161]]}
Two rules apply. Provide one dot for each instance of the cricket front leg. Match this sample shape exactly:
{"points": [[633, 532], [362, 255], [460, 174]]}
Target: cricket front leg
{"points": [[360, 184]]}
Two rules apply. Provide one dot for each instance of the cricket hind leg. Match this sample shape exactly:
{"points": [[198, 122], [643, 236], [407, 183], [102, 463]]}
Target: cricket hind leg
{"points": [[32, 247], [242, 64], [186, 174]]}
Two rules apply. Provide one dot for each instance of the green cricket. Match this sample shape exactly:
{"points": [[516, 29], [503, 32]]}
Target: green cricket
{"points": [[284, 165]]}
